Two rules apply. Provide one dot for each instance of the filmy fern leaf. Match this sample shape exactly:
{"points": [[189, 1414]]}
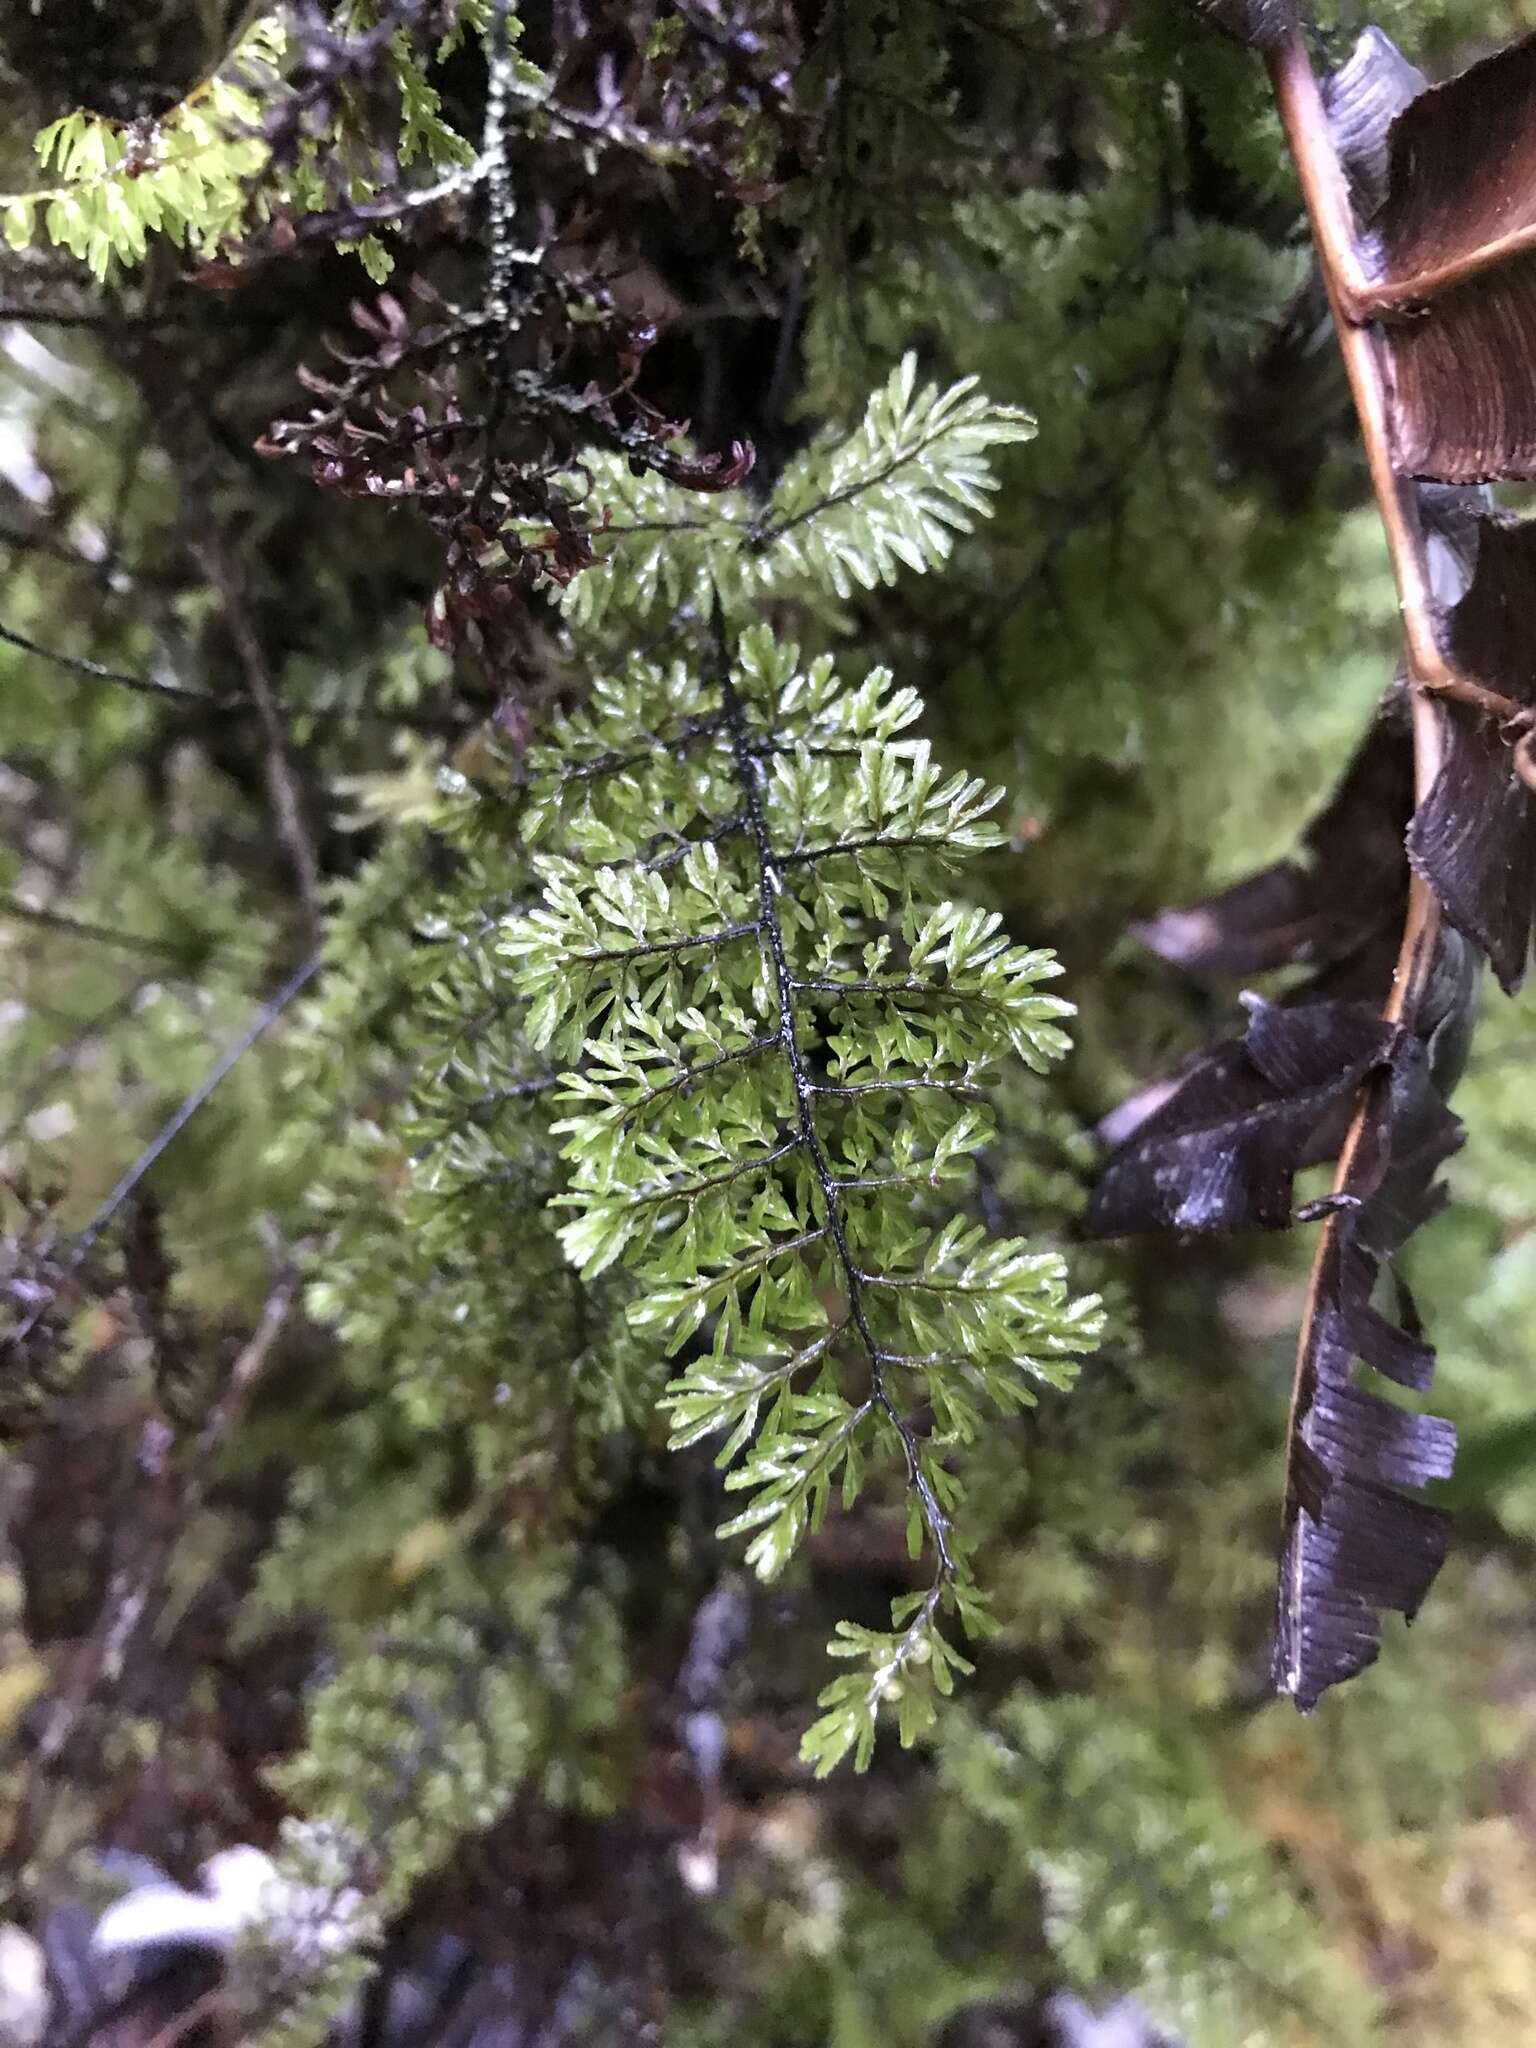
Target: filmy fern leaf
{"points": [[186, 177], [206, 168], [848, 514], [777, 1027]]}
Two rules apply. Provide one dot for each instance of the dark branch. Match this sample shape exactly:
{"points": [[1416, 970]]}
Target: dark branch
{"points": [[749, 777]]}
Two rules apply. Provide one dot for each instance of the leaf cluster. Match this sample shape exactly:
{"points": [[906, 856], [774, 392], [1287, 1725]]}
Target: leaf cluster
{"points": [[185, 176]]}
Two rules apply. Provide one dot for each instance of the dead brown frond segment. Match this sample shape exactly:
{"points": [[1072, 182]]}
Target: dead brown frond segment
{"points": [[1422, 204]]}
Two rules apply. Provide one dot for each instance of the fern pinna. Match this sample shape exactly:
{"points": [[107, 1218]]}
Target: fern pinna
{"points": [[1420, 202], [778, 1025]]}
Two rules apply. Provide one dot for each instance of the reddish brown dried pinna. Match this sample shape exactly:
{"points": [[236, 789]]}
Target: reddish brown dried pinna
{"points": [[433, 412]]}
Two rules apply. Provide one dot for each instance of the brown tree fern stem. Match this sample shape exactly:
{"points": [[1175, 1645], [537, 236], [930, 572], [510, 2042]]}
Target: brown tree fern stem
{"points": [[1326, 195], [1327, 200]]}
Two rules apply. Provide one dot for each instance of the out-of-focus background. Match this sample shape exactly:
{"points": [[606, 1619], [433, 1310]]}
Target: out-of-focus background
{"points": [[309, 1545]]}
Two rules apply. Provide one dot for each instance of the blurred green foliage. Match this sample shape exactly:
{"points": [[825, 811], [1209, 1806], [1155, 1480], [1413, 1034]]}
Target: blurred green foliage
{"points": [[452, 1486]]}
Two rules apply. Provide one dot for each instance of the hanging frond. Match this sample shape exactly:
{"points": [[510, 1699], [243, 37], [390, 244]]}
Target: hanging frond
{"points": [[779, 1031]]}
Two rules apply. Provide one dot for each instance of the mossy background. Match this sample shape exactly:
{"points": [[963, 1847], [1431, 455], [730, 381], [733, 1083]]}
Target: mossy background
{"points": [[451, 1484]]}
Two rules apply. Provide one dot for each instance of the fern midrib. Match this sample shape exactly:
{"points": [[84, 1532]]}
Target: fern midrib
{"points": [[762, 538], [786, 985]]}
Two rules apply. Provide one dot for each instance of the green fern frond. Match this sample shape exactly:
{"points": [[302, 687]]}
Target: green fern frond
{"points": [[1148, 1873], [419, 1126], [425, 137], [778, 1030], [426, 1735], [895, 495], [421, 1741], [848, 514], [187, 179], [194, 173]]}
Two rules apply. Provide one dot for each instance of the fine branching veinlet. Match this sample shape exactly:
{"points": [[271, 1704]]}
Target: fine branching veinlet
{"points": [[1422, 210]]}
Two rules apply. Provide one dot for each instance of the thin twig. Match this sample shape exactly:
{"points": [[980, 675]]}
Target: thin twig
{"points": [[113, 320], [176, 1490], [281, 785], [247, 1368], [497, 169], [169, 1131], [147, 686], [82, 928], [176, 2031], [63, 1056]]}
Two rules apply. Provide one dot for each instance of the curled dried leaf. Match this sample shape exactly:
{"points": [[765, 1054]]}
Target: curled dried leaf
{"points": [[1363, 98], [1463, 382], [1460, 191], [1222, 1152]]}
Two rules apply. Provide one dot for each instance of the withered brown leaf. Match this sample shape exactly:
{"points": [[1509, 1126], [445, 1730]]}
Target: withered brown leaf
{"points": [[1422, 203]]}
